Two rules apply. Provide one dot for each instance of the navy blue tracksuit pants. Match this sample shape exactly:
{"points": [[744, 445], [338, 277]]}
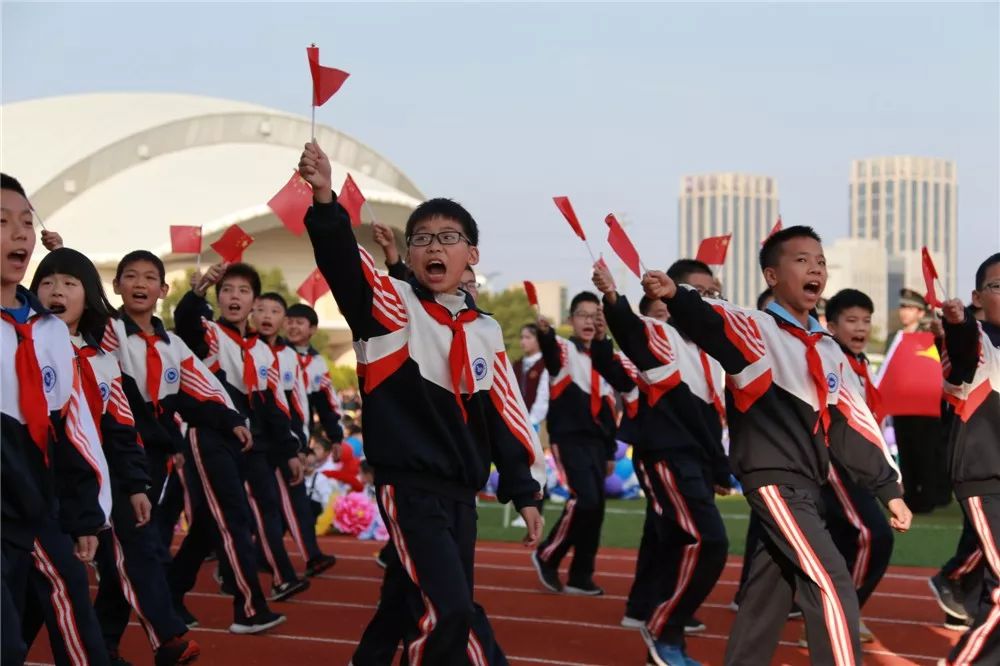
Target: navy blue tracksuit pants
{"points": [[16, 567], [583, 464], [59, 597], [981, 643], [132, 563], [435, 538], [299, 517], [265, 508], [222, 522]]}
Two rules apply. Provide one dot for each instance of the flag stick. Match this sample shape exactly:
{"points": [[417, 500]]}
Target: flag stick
{"points": [[312, 125], [370, 211], [590, 251], [40, 220]]}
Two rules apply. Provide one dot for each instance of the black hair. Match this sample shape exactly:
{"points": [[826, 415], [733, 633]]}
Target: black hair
{"points": [[353, 429], [583, 297], [276, 297], [531, 326], [645, 303], [682, 268], [97, 309], [304, 311], [845, 299], [136, 256], [765, 296], [448, 209], [983, 267], [321, 439], [770, 251], [11, 183], [240, 270]]}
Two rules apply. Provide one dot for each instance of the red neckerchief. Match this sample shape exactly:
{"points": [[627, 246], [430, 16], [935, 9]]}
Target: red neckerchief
{"points": [[249, 365], [91, 389], [815, 365], [154, 368], [872, 397], [595, 391], [458, 353], [31, 391]]}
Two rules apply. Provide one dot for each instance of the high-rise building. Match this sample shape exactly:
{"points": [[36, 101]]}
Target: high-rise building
{"points": [[907, 203], [743, 205], [857, 263]]}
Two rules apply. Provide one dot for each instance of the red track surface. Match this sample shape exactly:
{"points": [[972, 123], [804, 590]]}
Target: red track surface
{"points": [[533, 626]]}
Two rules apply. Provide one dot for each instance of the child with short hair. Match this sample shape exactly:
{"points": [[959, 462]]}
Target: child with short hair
{"points": [[791, 404], [54, 503], [972, 386], [440, 402], [301, 324]]}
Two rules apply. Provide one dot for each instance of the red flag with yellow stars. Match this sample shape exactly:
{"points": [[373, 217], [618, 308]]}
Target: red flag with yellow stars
{"points": [[232, 243], [712, 251], [909, 380], [313, 287], [185, 239], [352, 200], [291, 203]]}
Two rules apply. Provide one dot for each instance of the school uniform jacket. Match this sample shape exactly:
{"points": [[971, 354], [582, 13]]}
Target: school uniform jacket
{"points": [[582, 389], [436, 412], [101, 380], [786, 405], [323, 403], [180, 386], [682, 389], [61, 472], [230, 355], [972, 383], [292, 382]]}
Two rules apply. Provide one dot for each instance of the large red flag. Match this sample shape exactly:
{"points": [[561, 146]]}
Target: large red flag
{"points": [[563, 204], [930, 275], [313, 287], [291, 203], [326, 80], [185, 239], [531, 292], [909, 380], [231, 244], [351, 199], [712, 251], [622, 245]]}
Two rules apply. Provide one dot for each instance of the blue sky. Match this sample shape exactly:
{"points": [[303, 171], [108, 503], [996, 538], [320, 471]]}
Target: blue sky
{"points": [[504, 106]]}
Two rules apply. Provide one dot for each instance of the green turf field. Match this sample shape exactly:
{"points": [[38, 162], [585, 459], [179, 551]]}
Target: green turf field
{"points": [[930, 541]]}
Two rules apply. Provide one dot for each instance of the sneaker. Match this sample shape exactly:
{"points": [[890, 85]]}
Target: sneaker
{"points": [[693, 625], [177, 650], [865, 633], [947, 594], [795, 613], [258, 623], [288, 589], [630, 622], [665, 654], [518, 522], [952, 623], [734, 606], [190, 621], [319, 564], [548, 576], [586, 588]]}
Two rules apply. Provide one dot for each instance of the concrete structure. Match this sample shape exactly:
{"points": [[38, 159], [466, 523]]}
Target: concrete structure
{"points": [[721, 203], [112, 172], [906, 203], [862, 264]]}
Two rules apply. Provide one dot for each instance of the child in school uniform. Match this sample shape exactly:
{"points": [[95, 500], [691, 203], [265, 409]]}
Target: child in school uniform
{"points": [[166, 384], [55, 499], [789, 402], [581, 424], [680, 453], [132, 576], [972, 386], [440, 403], [249, 370], [269, 317]]}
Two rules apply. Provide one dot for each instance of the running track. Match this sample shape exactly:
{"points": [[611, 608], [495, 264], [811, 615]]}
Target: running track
{"points": [[533, 626]]}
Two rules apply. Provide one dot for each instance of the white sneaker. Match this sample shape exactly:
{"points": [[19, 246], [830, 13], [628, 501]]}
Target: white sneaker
{"points": [[630, 622], [518, 522]]}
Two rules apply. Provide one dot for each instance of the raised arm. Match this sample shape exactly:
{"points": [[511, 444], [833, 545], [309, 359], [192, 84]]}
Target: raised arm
{"points": [[962, 340]]}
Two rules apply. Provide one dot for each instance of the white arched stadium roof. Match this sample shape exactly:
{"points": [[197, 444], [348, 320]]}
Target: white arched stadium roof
{"points": [[112, 171]]}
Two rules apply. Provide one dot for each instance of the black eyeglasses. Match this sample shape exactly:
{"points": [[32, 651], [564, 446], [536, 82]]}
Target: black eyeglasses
{"points": [[443, 237]]}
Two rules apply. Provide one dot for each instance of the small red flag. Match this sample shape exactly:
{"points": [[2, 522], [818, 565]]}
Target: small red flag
{"points": [[326, 80], [622, 245], [232, 243], [930, 275], [775, 229], [313, 287], [291, 203], [563, 204], [531, 292], [185, 239], [351, 199], [712, 251], [909, 379]]}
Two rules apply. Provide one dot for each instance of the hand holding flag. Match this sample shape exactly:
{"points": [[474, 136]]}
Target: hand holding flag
{"points": [[622, 245], [232, 243], [291, 203]]}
